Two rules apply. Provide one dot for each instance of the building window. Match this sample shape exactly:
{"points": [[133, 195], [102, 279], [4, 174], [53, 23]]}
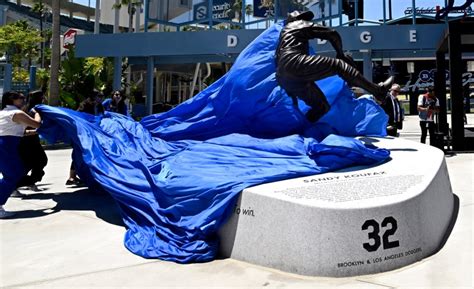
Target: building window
{"points": [[184, 2]]}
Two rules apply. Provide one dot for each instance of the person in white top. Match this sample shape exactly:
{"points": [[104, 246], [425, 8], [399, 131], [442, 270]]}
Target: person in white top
{"points": [[13, 122], [428, 106]]}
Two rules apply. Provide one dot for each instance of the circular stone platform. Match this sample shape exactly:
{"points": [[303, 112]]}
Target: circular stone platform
{"points": [[356, 221]]}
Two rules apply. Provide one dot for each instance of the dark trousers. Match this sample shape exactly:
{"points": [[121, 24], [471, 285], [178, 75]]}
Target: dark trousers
{"points": [[425, 127], [11, 166], [393, 131], [34, 158]]}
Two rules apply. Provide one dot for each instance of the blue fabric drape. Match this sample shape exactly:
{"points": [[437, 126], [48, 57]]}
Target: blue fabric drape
{"points": [[176, 175], [248, 100]]}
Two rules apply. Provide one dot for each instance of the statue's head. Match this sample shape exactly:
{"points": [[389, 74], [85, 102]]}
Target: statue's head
{"points": [[297, 15]]}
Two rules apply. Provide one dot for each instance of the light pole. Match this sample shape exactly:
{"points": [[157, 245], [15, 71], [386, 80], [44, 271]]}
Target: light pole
{"points": [[55, 56], [41, 32], [97, 16], [390, 9]]}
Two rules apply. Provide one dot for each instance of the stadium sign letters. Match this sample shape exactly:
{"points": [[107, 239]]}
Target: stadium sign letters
{"points": [[232, 41], [433, 10], [366, 37]]}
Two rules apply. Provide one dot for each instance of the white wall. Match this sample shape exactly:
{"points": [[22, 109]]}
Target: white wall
{"points": [[107, 14]]}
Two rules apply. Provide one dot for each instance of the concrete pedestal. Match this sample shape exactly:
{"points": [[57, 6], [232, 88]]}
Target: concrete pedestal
{"points": [[355, 221]]}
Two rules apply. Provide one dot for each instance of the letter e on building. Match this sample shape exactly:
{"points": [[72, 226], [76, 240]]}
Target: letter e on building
{"points": [[412, 35]]}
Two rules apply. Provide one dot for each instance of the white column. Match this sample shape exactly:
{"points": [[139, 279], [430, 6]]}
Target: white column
{"points": [[150, 73], [367, 57], [117, 60], [137, 18], [97, 17], [117, 18]]}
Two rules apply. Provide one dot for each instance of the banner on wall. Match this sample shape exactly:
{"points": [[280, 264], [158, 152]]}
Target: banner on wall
{"points": [[221, 9], [426, 79]]}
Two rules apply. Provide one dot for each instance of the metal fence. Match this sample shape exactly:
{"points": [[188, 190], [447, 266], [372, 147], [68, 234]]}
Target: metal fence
{"points": [[22, 87], [242, 14], [5, 78], [7, 83]]}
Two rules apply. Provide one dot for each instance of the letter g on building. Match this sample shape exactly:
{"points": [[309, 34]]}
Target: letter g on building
{"points": [[365, 37]]}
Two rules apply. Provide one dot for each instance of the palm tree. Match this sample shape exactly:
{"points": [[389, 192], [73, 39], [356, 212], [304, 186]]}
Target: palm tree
{"points": [[236, 10], [270, 10], [40, 8], [284, 6], [132, 5], [55, 56], [266, 3], [248, 10]]}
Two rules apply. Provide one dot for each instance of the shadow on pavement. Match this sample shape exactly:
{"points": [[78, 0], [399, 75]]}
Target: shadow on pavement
{"points": [[369, 140], [404, 150], [27, 214], [102, 204]]}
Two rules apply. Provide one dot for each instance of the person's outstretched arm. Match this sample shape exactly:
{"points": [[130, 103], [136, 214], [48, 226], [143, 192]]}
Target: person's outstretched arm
{"points": [[23, 118]]}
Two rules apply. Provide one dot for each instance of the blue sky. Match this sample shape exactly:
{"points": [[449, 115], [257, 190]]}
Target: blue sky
{"points": [[86, 2], [373, 8]]}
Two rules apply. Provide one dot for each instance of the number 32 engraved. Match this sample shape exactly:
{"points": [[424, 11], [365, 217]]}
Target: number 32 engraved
{"points": [[374, 234]]}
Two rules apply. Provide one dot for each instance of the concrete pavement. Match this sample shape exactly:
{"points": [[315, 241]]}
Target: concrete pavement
{"points": [[66, 237]]}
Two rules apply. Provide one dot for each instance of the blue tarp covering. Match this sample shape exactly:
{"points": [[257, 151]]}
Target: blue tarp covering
{"points": [[176, 176]]}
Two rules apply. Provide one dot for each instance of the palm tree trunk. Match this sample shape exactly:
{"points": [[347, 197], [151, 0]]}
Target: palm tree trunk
{"points": [[42, 39], [55, 56]]}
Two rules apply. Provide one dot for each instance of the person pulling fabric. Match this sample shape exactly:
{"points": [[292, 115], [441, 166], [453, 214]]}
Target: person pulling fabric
{"points": [[13, 122], [30, 148]]}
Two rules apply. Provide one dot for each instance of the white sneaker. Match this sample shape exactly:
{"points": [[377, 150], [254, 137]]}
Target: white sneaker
{"points": [[17, 194], [4, 214]]}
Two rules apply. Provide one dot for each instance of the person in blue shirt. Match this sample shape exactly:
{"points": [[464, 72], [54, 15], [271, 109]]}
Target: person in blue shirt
{"points": [[116, 103]]}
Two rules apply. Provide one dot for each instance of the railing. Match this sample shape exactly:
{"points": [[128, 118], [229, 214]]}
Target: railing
{"points": [[88, 3], [5, 77], [244, 14], [7, 83], [19, 86]]}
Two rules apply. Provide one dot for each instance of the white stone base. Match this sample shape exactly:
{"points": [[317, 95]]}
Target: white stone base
{"points": [[355, 221]]}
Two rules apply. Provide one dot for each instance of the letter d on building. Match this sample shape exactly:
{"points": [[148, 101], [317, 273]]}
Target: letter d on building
{"points": [[232, 41]]}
